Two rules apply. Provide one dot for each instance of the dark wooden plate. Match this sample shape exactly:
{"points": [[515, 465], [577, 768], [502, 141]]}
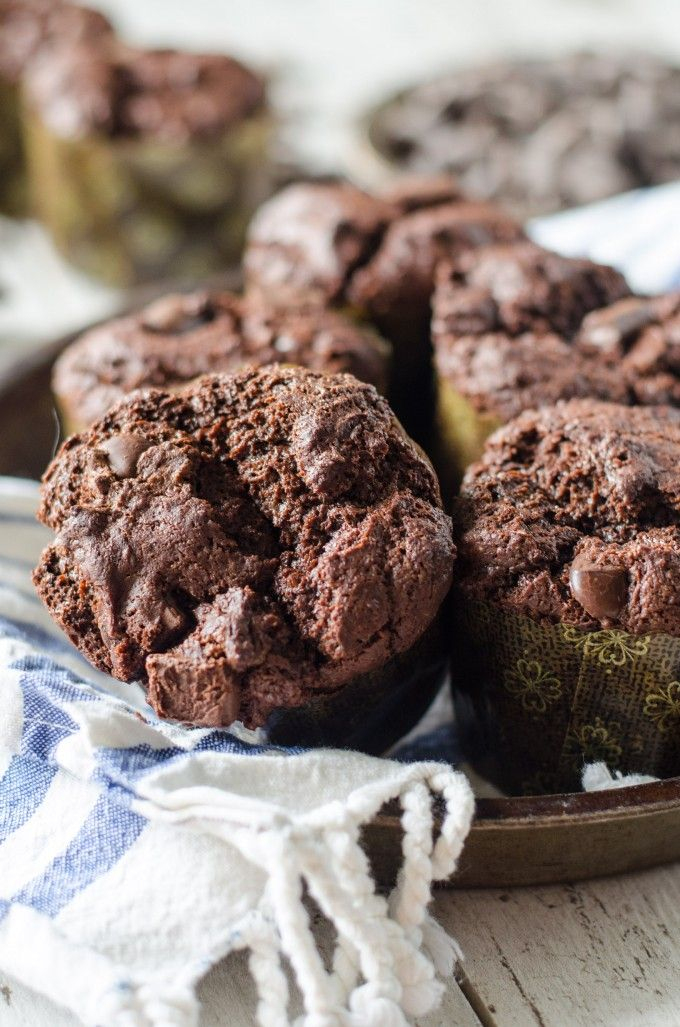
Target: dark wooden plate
{"points": [[514, 841]]}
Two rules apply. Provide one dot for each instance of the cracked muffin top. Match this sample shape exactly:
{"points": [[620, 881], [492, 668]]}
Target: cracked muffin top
{"points": [[509, 324], [573, 515], [179, 337], [343, 245], [246, 544], [172, 96]]}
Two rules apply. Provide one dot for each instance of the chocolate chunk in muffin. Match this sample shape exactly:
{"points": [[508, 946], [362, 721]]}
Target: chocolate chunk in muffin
{"points": [[573, 516], [180, 337], [641, 336], [246, 545]]}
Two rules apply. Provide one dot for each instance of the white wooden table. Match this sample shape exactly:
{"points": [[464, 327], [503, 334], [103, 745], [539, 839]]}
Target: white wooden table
{"points": [[602, 953]]}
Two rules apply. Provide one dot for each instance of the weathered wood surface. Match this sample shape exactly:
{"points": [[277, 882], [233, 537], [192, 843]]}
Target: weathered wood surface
{"points": [[604, 953], [596, 954]]}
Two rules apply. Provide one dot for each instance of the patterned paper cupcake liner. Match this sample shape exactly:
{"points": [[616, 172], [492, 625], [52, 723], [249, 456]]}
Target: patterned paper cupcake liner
{"points": [[461, 434], [539, 701]]}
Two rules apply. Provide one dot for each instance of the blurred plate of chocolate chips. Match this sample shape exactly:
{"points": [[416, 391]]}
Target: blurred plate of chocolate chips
{"points": [[539, 135]]}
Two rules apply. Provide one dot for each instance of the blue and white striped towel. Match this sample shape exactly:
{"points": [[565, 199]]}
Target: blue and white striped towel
{"points": [[135, 854]]}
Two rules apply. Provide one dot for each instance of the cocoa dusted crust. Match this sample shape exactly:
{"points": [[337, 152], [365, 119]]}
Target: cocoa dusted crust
{"points": [[506, 323], [26, 26], [118, 91], [254, 541], [343, 245], [179, 337], [573, 516]]}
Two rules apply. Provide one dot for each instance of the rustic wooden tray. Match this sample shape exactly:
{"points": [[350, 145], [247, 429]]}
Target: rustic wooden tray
{"points": [[513, 841]]}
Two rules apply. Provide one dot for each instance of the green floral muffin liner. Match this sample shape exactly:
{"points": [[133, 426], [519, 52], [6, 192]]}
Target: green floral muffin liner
{"points": [[461, 433], [13, 187], [548, 699], [134, 210]]}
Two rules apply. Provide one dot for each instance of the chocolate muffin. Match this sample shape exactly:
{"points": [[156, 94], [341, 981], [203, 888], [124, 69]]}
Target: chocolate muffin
{"points": [[180, 337], [265, 542], [541, 135], [506, 330], [338, 244], [26, 28], [568, 593], [146, 164]]}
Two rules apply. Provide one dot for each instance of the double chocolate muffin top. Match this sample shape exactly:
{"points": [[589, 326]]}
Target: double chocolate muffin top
{"points": [[334, 241], [242, 546], [26, 26], [573, 515], [506, 328], [538, 135], [180, 337], [167, 95]]}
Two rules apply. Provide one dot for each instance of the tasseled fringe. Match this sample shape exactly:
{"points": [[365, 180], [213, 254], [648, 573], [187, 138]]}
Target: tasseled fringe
{"points": [[388, 952]]}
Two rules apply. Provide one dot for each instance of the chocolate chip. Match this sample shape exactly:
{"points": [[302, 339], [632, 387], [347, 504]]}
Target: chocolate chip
{"points": [[601, 591], [616, 325], [178, 314], [123, 452]]}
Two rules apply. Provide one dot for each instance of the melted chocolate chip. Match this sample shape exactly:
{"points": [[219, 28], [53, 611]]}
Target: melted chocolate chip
{"points": [[618, 324], [123, 452], [601, 591], [175, 314]]}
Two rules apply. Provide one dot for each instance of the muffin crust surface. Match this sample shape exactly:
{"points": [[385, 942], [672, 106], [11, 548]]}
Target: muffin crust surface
{"points": [[180, 337], [505, 328], [244, 545], [573, 516]]}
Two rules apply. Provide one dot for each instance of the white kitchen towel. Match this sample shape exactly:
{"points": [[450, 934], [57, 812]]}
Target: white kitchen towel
{"points": [[135, 854], [637, 232]]}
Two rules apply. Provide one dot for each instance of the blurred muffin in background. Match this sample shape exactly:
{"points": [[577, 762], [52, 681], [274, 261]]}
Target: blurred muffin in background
{"points": [[333, 243], [26, 27], [541, 135], [180, 337], [146, 164]]}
